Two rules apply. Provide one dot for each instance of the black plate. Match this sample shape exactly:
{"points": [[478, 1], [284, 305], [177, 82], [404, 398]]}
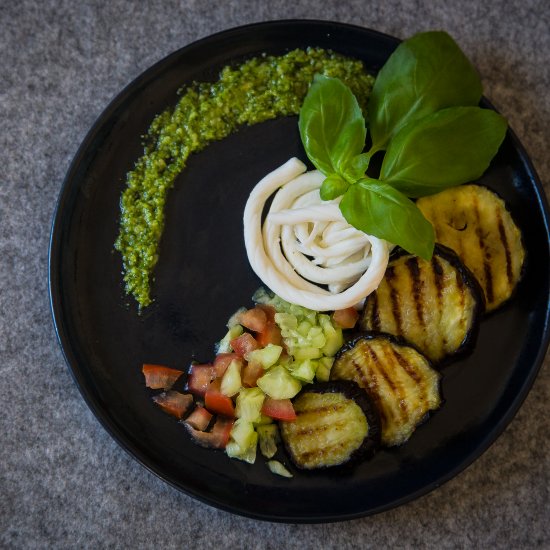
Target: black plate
{"points": [[203, 276]]}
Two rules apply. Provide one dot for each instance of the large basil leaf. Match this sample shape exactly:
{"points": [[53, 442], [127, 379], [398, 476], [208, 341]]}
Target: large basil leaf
{"points": [[425, 73], [450, 147], [332, 127], [378, 209]]}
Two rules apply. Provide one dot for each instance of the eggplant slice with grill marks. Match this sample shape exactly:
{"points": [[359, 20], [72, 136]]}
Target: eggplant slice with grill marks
{"points": [[474, 222], [400, 381], [435, 305], [336, 424]]}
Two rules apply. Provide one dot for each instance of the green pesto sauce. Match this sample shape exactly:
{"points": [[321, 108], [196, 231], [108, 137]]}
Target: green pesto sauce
{"points": [[260, 89]]}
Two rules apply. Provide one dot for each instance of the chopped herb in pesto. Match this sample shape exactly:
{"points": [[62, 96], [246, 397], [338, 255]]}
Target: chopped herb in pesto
{"points": [[260, 89]]}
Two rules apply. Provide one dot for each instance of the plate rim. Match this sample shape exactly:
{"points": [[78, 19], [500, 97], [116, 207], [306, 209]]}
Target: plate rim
{"points": [[101, 415]]}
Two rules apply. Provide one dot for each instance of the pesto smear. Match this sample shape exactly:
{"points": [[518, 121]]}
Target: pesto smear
{"points": [[260, 89]]}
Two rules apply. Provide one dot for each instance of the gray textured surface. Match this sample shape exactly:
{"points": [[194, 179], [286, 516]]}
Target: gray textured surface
{"points": [[64, 482]]}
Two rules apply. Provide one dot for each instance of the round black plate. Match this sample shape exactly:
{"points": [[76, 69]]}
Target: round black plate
{"points": [[203, 276]]}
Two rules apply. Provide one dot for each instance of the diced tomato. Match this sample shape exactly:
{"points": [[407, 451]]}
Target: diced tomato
{"points": [[244, 344], [251, 373], [216, 402], [174, 402], [199, 378], [345, 318], [268, 310], [271, 334], [222, 361], [199, 418], [217, 438], [221, 432], [280, 409], [158, 377], [253, 319]]}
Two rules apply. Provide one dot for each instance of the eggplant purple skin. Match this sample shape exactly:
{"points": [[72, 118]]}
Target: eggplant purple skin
{"points": [[370, 444], [468, 344]]}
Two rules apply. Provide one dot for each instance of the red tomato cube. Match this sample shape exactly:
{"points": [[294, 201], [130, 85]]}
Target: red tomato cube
{"points": [[158, 377], [174, 403], [345, 318], [216, 402], [251, 373], [279, 409], [222, 361], [199, 378], [253, 319], [244, 344]]}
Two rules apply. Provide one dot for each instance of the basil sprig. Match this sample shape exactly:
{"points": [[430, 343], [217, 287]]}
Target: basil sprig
{"points": [[422, 113]]}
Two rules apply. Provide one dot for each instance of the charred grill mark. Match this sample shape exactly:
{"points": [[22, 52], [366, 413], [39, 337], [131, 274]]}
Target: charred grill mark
{"points": [[417, 287], [360, 374], [375, 313], [395, 388], [507, 252], [371, 387], [484, 252], [406, 366], [488, 280], [462, 295], [319, 429], [379, 366], [324, 409], [438, 279], [394, 297]]}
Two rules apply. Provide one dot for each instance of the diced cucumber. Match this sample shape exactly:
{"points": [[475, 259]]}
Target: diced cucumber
{"points": [[234, 451], [262, 296], [249, 404], [322, 374], [304, 370], [304, 328], [266, 357], [306, 353], [316, 337], [242, 433], [231, 381], [277, 468], [333, 335], [307, 334], [224, 345], [286, 321], [243, 442], [279, 384], [268, 438]]}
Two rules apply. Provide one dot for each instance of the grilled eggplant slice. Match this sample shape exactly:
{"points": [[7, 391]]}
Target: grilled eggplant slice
{"points": [[435, 305], [474, 222], [399, 379], [336, 424]]}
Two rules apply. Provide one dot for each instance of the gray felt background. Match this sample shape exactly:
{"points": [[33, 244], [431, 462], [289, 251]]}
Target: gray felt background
{"points": [[64, 483]]}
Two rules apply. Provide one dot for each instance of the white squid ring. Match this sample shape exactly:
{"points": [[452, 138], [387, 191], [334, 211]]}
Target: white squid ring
{"points": [[305, 239]]}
